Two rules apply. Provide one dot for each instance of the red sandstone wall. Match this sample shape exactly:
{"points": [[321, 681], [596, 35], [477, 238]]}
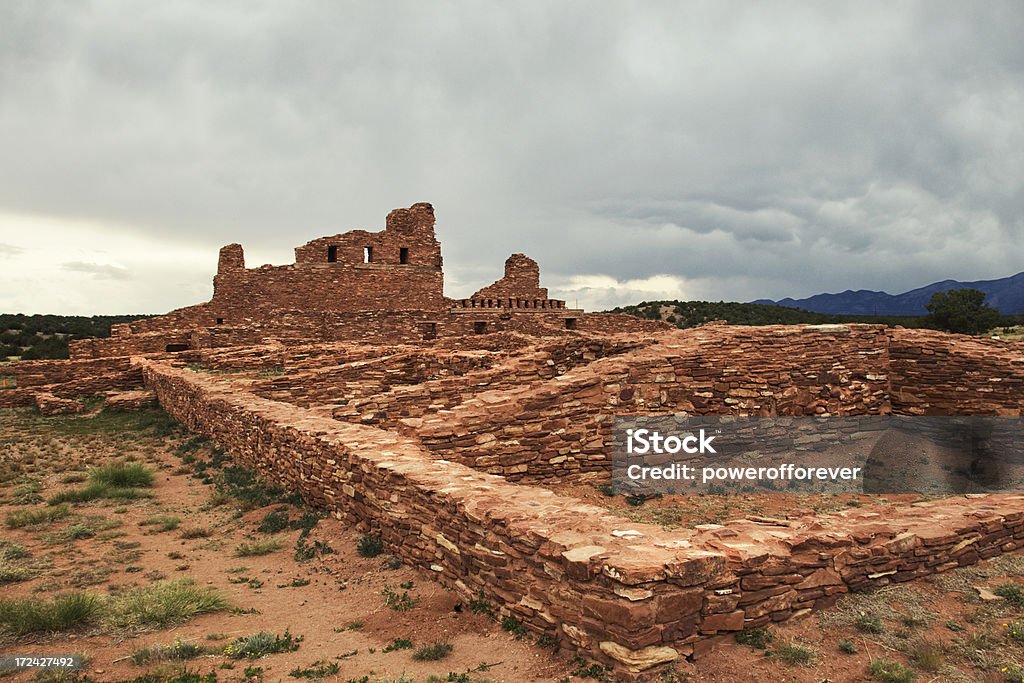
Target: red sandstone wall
{"points": [[521, 281], [402, 273], [944, 374], [631, 596], [560, 427]]}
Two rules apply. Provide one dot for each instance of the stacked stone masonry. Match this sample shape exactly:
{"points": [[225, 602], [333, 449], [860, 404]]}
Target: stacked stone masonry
{"points": [[632, 596], [385, 285]]}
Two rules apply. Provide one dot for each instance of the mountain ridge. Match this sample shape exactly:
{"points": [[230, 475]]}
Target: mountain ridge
{"points": [[1005, 294]]}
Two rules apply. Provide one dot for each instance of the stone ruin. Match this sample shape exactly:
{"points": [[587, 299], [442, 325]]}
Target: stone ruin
{"points": [[385, 286], [438, 424]]}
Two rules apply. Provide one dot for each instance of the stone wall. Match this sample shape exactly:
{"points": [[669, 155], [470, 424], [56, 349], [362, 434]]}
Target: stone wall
{"points": [[521, 281], [55, 386], [562, 427], [630, 596], [946, 374]]}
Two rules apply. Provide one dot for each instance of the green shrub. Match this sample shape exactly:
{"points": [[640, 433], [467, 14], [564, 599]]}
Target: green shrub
{"points": [[433, 652], [868, 623], [318, 670], [178, 650], [122, 475], [60, 613], [262, 643], [162, 522], [369, 546], [256, 548], [36, 517], [795, 654], [888, 671], [757, 638], [162, 604], [400, 602], [12, 574], [1013, 593], [274, 522], [515, 627], [97, 491], [480, 605], [398, 644]]}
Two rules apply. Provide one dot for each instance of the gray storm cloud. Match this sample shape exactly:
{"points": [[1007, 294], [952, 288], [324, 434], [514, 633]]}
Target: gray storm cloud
{"points": [[698, 150]]}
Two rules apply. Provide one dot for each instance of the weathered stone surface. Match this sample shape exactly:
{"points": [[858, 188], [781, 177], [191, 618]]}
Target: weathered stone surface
{"points": [[639, 660]]}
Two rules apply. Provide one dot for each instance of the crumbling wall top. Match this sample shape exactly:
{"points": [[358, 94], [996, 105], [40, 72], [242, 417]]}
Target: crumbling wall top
{"points": [[521, 281], [232, 257], [418, 217]]}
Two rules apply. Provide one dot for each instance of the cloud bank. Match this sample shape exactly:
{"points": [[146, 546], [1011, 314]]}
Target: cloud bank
{"points": [[703, 150]]}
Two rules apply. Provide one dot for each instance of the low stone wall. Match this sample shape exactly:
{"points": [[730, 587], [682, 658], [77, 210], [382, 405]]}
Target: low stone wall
{"points": [[558, 428], [953, 374], [633, 597]]}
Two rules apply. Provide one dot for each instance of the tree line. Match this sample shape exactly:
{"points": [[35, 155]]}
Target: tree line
{"points": [[960, 310]]}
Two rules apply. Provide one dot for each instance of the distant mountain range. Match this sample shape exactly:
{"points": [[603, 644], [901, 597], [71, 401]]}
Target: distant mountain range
{"points": [[1005, 294]]}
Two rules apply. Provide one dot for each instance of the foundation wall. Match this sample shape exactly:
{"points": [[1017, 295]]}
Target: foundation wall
{"points": [[563, 427], [944, 374], [633, 597]]}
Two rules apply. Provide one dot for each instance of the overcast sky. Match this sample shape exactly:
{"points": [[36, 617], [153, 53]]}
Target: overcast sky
{"points": [[636, 150]]}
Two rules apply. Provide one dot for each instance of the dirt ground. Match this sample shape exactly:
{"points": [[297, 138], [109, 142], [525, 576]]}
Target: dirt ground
{"points": [[361, 616]]}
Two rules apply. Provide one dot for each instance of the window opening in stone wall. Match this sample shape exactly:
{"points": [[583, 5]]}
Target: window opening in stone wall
{"points": [[173, 348], [479, 327], [367, 254], [220, 321], [570, 323], [403, 255], [332, 254], [429, 330]]}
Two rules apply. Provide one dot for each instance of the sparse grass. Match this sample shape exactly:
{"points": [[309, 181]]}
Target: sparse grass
{"points": [[868, 623], [13, 574], [12, 551], [262, 643], [317, 670], [480, 605], [122, 475], [27, 493], [36, 517], [76, 532], [515, 627], [307, 551], [193, 532], [847, 647], [162, 522], [369, 546], [795, 654], [758, 638], [177, 650], [888, 671], [927, 654], [97, 491], [60, 613], [398, 644], [255, 548], [273, 522], [162, 604], [249, 490], [400, 602], [1013, 593], [431, 653], [1015, 630]]}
